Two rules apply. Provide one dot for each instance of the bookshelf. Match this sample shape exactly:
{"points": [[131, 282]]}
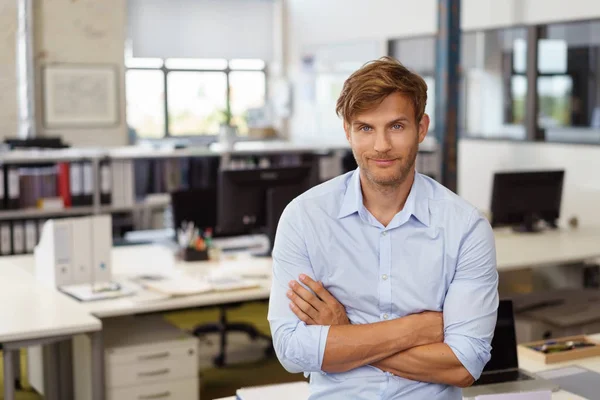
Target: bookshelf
{"points": [[132, 183]]}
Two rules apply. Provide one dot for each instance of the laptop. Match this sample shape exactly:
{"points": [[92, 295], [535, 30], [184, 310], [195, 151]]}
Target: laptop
{"points": [[502, 373]]}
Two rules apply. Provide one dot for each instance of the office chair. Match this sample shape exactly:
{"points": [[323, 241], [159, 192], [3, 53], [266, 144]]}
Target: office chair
{"points": [[223, 327], [200, 207]]}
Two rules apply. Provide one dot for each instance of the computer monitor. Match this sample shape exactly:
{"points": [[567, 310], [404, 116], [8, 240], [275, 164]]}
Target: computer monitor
{"points": [[252, 200], [195, 205], [504, 344], [522, 199]]}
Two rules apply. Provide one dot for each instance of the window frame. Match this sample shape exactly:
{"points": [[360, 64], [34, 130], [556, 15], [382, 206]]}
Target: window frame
{"points": [[202, 138], [534, 132]]}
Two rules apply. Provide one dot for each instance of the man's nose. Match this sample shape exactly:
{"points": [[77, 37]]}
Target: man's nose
{"points": [[383, 143]]}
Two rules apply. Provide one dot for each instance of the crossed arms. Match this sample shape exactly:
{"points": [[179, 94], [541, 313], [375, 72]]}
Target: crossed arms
{"points": [[311, 332], [411, 347]]}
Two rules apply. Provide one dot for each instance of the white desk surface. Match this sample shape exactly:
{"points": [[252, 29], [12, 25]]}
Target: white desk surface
{"points": [[524, 250], [31, 310], [131, 261], [592, 363], [513, 251]]}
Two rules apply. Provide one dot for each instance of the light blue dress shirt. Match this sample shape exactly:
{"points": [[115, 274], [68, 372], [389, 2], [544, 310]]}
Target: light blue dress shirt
{"points": [[436, 254]]}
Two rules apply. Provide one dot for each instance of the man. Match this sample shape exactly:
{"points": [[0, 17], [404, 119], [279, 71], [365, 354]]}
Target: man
{"points": [[385, 282]]}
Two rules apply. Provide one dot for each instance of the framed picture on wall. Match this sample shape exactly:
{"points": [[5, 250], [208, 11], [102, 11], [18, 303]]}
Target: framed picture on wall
{"points": [[79, 96]]}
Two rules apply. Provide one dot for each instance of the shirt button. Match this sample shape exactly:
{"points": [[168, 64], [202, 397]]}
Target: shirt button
{"points": [[385, 316], [383, 233], [384, 277]]}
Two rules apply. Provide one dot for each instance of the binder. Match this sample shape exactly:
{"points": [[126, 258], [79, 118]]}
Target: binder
{"points": [[76, 183], [101, 248], [30, 236], [81, 257], [12, 185], [5, 239], [2, 189], [117, 189], [18, 237], [63, 183], [105, 182], [88, 184]]}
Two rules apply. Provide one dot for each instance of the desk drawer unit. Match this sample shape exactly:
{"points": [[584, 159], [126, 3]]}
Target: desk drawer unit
{"points": [[153, 370], [145, 359], [172, 390]]}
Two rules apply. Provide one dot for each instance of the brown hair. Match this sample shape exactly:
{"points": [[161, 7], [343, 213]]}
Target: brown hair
{"points": [[367, 87]]}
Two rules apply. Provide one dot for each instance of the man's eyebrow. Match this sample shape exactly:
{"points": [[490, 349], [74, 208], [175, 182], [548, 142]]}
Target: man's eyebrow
{"points": [[399, 119]]}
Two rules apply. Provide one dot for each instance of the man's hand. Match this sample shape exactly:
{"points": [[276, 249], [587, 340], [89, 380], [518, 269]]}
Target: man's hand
{"points": [[428, 327], [322, 309]]}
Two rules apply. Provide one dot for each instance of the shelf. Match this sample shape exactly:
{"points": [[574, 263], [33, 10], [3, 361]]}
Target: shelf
{"points": [[21, 157], [35, 213]]}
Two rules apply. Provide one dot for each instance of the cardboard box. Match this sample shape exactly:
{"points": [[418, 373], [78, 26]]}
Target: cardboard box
{"points": [[526, 351]]}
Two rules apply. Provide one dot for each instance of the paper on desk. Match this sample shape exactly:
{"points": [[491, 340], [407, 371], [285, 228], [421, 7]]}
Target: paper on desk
{"points": [[88, 292], [179, 286], [288, 391], [562, 372], [539, 395]]}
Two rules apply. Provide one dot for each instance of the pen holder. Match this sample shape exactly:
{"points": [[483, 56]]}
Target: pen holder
{"points": [[191, 254]]}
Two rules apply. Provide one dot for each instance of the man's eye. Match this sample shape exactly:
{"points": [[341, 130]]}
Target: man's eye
{"points": [[365, 128], [397, 127]]}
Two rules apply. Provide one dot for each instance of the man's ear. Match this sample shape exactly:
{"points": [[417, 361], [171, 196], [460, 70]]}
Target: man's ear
{"points": [[423, 127]]}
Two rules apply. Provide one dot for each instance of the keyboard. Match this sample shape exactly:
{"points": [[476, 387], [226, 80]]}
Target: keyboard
{"points": [[501, 377]]}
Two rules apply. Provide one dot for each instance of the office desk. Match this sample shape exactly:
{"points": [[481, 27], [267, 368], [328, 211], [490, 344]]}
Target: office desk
{"points": [[563, 246], [133, 261], [534, 366], [33, 314]]}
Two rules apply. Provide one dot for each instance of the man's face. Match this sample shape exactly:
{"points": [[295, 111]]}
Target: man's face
{"points": [[385, 140]]}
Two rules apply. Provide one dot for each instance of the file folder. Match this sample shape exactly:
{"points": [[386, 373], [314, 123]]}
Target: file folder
{"points": [[5, 239], [105, 180], [88, 184], [18, 237], [30, 236], [76, 183], [12, 185]]}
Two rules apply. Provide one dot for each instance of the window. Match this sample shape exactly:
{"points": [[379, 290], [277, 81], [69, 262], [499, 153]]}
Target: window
{"points": [[494, 85], [192, 97], [568, 83], [418, 54]]}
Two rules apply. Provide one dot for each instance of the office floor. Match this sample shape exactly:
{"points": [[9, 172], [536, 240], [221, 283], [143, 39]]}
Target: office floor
{"points": [[215, 382]]}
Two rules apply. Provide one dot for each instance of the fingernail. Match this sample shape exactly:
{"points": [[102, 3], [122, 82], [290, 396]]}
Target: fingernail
{"points": [[289, 293], [292, 306], [302, 277], [292, 284]]}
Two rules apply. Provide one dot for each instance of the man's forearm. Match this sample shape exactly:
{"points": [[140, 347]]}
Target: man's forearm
{"points": [[435, 363], [352, 346]]}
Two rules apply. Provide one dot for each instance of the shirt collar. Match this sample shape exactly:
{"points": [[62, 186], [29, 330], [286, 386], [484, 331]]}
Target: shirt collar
{"points": [[417, 203], [353, 199]]}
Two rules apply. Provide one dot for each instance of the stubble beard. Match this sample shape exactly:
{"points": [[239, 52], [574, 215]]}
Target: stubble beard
{"points": [[393, 182]]}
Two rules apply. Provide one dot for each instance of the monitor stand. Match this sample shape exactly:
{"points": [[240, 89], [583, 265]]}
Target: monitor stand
{"points": [[530, 225]]}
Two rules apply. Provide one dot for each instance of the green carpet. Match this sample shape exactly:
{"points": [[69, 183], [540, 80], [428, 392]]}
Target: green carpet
{"points": [[215, 382]]}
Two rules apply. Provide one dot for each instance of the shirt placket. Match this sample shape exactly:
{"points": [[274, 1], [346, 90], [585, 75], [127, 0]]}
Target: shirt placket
{"points": [[385, 269]]}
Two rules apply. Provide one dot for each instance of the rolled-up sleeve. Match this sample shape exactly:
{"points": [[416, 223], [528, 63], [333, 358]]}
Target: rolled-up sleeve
{"points": [[299, 347], [471, 304]]}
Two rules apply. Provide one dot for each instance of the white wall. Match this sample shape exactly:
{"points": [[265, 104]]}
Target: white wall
{"points": [[66, 31], [85, 32], [8, 79], [479, 159], [487, 14]]}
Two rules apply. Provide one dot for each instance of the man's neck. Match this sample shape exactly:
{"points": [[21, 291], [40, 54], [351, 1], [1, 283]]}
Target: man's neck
{"points": [[384, 202]]}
